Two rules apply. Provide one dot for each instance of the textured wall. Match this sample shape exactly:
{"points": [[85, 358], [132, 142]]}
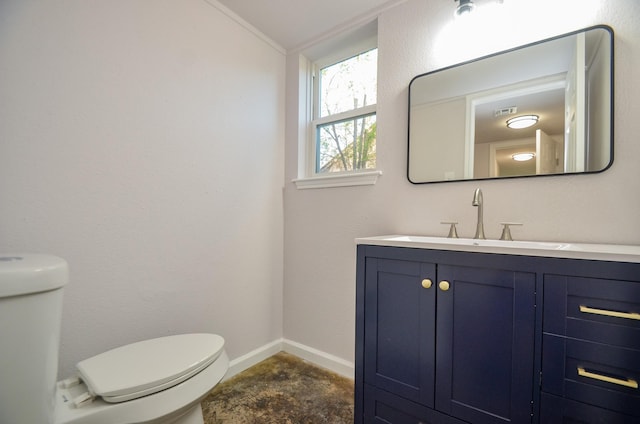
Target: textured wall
{"points": [[143, 142], [420, 36]]}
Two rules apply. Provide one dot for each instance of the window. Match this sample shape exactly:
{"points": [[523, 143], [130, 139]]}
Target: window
{"points": [[344, 125], [338, 96]]}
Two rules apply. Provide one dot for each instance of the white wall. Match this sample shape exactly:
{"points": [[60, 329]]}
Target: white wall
{"points": [[416, 37], [143, 142]]}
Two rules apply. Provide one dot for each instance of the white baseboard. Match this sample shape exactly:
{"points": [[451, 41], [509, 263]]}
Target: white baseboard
{"points": [[315, 356], [320, 358], [250, 359]]}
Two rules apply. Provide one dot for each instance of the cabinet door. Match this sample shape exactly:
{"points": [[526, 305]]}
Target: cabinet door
{"points": [[385, 408], [400, 328], [485, 344]]}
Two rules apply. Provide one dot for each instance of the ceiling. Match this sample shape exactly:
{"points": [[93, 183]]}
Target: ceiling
{"points": [[293, 23]]}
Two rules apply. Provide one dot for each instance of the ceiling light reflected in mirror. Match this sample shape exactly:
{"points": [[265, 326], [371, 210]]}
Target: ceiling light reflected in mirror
{"points": [[524, 121], [523, 157]]}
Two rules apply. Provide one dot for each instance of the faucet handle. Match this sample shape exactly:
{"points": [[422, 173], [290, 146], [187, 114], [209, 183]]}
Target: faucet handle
{"points": [[453, 232], [506, 231]]}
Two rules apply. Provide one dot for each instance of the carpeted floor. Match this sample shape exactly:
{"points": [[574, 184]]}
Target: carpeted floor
{"points": [[282, 389]]}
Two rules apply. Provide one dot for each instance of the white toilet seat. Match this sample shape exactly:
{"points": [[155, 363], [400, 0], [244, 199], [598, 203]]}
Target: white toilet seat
{"points": [[146, 367], [161, 406]]}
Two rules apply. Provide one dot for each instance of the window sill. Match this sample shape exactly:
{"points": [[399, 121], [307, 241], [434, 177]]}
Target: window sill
{"points": [[341, 180]]}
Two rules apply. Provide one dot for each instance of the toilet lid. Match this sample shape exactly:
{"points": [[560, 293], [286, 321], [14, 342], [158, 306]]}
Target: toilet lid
{"points": [[146, 367]]}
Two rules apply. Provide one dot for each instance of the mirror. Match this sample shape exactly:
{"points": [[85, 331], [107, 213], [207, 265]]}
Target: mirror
{"points": [[458, 115]]}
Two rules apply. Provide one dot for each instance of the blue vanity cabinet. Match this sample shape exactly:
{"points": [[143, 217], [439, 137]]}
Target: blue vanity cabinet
{"points": [[444, 337]]}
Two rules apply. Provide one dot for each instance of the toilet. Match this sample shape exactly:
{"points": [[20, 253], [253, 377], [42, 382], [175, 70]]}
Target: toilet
{"points": [[160, 380]]}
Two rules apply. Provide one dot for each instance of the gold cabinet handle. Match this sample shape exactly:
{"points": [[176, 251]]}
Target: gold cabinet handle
{"points": [[626, 383], [605, 312], [426, 283], [444, 285]]}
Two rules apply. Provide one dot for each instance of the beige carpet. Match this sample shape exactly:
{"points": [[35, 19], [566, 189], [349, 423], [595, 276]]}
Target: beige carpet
{"points": [[282, 389]]}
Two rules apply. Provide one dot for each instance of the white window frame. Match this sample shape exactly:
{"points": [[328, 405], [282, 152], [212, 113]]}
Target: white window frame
{"points": [[309, 104]]}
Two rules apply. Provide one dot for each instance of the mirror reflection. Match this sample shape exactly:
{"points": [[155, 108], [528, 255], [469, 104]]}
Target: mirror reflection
{"points": [[556, 96]]}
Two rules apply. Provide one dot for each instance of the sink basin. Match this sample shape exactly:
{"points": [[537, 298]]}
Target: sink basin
{"points": [[613, 252]]}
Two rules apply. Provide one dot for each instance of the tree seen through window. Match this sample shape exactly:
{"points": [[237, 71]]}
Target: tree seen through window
{"points": [[346, 130]]}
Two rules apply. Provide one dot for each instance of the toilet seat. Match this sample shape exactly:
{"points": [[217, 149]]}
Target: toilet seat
{"points": [[143, 368], [164, 406]]}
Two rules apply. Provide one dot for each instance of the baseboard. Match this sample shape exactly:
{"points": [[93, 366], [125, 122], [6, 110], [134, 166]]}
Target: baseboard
{"points": [[250, 359], [322, 359], [315, 356]]}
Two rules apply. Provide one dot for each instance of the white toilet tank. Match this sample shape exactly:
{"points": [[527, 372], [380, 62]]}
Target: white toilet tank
{"points": [[31, 287]]}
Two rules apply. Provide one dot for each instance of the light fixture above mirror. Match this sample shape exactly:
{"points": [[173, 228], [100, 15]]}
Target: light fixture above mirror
{"points": [[464, 7]]}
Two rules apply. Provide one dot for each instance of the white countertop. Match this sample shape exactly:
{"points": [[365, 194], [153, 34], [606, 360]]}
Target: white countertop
{"points": [[603, 252]]}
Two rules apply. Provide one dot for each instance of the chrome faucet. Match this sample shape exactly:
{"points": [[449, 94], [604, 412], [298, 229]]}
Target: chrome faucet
{"points": [[477, 201]]}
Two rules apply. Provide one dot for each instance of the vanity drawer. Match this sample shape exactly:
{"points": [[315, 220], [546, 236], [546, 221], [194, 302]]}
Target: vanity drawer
{"points": [[555, 410], [594, 309], [593, 373]]}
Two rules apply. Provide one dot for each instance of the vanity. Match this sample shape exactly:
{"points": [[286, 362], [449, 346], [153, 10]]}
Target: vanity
{"points": [[489, 331], [452, 331]]}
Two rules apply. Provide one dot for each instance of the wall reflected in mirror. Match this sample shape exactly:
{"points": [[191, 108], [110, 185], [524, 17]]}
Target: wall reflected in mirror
{"points": [[458, 115]]}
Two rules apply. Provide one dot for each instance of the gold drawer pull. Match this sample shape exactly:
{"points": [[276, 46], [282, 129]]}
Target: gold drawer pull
{"points": [[628, 315], [626, 383], [426, 283]]}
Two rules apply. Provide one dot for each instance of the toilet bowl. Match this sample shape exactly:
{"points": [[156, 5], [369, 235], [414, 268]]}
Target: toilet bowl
{"points": [[160, 380]]}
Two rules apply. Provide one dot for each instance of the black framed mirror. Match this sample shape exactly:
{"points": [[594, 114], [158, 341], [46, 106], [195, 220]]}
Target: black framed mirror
{"points": [[563, 85]]}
